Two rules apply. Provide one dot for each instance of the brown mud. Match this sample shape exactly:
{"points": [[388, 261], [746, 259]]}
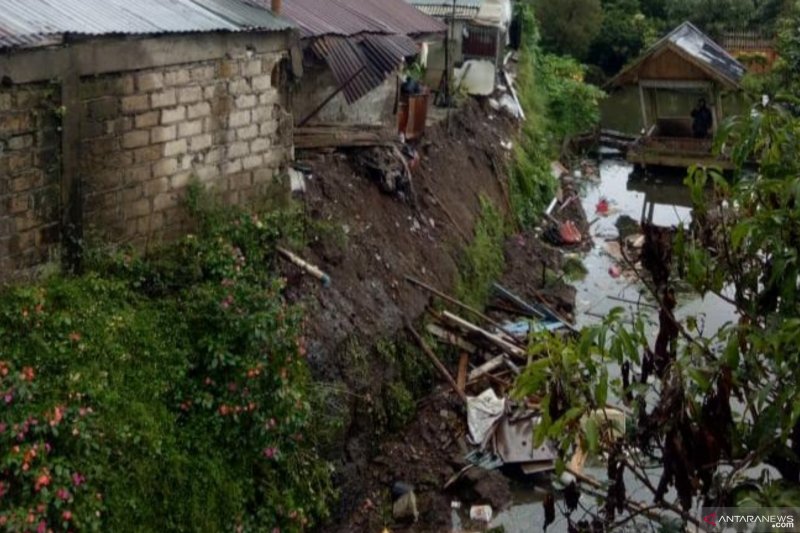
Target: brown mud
{"points": [[374, 240]]}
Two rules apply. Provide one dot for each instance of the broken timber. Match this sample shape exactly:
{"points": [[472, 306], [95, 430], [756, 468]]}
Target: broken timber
{"points": [[341, 136], [435, 360], [498, 341]]}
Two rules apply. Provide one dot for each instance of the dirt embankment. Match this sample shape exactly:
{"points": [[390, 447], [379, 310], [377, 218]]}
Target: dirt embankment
{"points": [[373, 241]]}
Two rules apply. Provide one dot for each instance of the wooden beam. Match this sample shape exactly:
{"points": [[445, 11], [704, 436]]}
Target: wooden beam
{"points": [[435, 360]]}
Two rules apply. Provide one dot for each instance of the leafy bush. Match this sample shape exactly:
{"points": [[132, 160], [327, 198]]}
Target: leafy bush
{"points": [[483, 258], [181, 390]]}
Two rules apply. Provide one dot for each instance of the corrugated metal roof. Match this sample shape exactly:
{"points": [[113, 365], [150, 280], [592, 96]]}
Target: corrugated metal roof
{"points": [[351, 17], [696, 47], [464, 9], [35, 22], [363, 63]]}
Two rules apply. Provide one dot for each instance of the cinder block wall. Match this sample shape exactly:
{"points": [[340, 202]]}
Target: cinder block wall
{"points": [[29, 175], [143, 135], [146, 134]]}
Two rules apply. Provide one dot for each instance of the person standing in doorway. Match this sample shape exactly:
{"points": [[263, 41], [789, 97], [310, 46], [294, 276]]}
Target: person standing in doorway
{"points": [[701, 119]]}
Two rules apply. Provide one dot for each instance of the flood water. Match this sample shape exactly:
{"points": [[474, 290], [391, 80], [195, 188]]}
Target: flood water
{"points": [[629, 195]]}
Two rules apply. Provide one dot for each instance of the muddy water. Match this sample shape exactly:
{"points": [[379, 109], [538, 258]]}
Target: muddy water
{"points": [[628, 196]]}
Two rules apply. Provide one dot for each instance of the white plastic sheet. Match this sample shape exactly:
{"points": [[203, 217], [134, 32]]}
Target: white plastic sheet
{"points": [[483, 414]]}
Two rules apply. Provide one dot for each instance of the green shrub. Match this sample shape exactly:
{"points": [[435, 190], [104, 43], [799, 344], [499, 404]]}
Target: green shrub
{"points": [[182, 388], [483, 259]]}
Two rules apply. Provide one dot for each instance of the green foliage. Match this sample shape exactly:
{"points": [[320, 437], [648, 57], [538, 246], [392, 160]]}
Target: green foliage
{"points": [[713, 409], [182, 388], [569, 26], [557, 104], [483, 259], [622, 36]]}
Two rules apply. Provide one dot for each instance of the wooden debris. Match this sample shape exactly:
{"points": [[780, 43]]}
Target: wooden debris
{"points": [[324, 278], [463, 366], [435, 360], [336, 135], [498, 341], [450, 338], [488, 366]]}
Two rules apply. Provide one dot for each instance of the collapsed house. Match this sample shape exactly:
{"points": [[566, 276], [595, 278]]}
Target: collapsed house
{"points": [[478, 31], [109, 108], [353, 52]]}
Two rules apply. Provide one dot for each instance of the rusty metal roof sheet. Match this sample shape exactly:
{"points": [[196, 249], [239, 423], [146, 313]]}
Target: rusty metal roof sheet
{"points": [[363, 63], [352, 17], [38, 22]]}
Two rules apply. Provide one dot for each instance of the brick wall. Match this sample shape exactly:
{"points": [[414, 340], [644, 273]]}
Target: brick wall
{"points": [[146, 134], [30, 191]]}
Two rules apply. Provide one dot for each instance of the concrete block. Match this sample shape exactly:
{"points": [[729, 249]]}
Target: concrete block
{"points": [[209, 92], [147, 154], [246, 101], [117, 126], [180, 181], [261, 83], [138, 208], [252, 68], [200, 142], [213, 156], [208, 173], [164, 98], [188, 129], [135, 139], [204, 73], [132, 193], [149, 81], [139, 174], [147, 120], [163, 134], [231, 167], [238, 119], [269, 97], [156, 186], [248, 132], [173, 115], [181, 76], [239, 86], [175, 147], [164, 201], [262, 144], [201, 109], [252, 161], [165, 167], [190, 95], [262, 114], [238, 149], [135, 103]]}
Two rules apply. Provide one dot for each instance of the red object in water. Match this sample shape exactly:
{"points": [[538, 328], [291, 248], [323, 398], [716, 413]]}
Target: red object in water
{"points": [[569, 233], [614, 271], [602, 207]]}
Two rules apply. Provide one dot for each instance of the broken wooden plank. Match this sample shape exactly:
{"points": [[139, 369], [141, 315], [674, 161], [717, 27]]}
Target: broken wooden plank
{"points": [[488, 366], [498, 341], [458, 303], [450, 338], [435, 360]]}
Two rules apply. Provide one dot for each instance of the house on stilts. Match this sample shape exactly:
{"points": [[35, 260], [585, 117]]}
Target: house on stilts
{"points": [[689, 62]]}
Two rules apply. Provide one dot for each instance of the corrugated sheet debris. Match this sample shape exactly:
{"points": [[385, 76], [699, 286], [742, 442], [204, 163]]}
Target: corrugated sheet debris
{"points": [[25, 23], [377, 55]]}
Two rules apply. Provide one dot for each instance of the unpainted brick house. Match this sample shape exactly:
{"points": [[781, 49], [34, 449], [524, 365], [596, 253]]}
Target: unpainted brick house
{"points": [[109, 108]]}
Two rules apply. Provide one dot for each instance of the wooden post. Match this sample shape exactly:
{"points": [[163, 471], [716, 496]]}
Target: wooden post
{"points": [[463, 366], [435, 360], [645, 124]]}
